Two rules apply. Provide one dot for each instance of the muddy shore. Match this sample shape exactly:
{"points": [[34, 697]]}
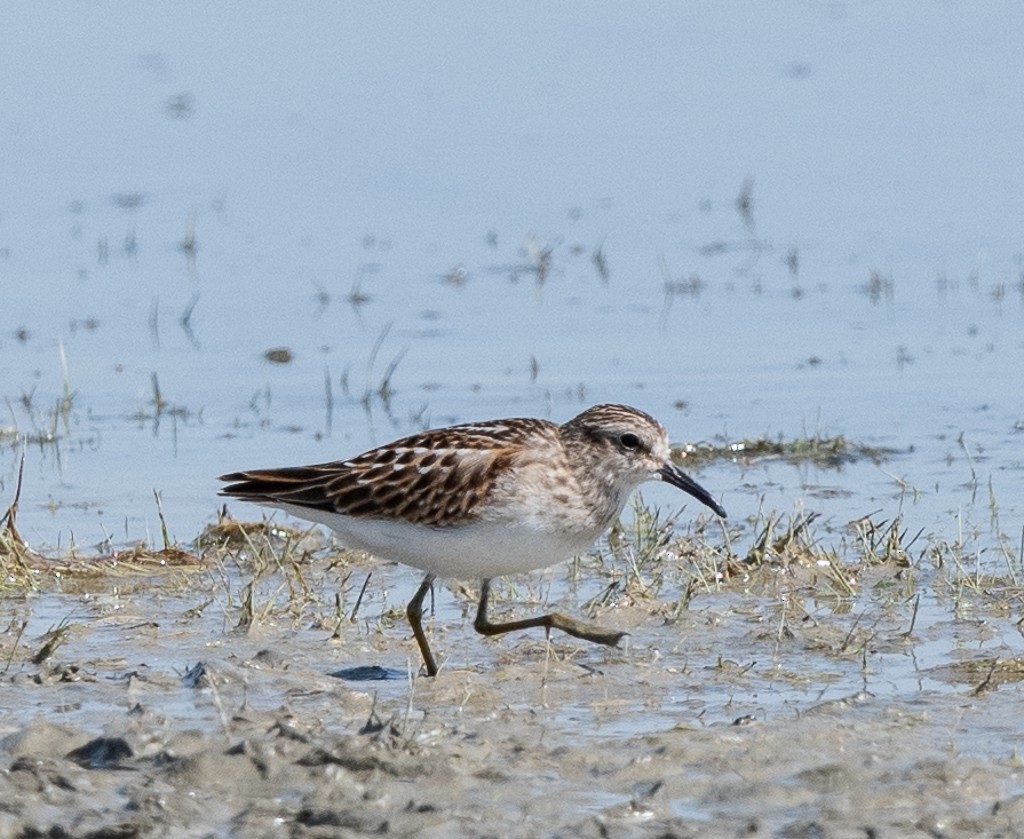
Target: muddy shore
{"points": [[153, 718]]}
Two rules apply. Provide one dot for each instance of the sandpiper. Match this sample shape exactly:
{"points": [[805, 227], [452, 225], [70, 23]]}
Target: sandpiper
{"points": [[482, 500]]}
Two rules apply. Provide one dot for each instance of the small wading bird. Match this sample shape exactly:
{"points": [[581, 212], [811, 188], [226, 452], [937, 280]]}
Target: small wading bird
{"points": [[482, 500]]}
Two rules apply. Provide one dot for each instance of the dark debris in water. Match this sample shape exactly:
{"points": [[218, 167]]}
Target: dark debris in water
{"points": [[827, 452], [195, 676], [102, 753], [367, 673], [279, 355]]}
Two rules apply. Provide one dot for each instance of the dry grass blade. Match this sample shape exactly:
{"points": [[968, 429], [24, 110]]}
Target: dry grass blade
{"points": [[16, 558], [795, 544], [52, 640], [10, 528]]}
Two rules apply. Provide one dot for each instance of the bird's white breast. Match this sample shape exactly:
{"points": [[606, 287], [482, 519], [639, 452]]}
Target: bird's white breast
{"points": [[478, 549]]}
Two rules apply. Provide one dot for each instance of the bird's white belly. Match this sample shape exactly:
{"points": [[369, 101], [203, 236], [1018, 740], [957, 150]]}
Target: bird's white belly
{"points": [[480, 549]]}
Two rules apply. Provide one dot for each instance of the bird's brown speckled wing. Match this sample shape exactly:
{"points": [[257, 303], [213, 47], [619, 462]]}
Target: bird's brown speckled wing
{"points": [[433, 478]]}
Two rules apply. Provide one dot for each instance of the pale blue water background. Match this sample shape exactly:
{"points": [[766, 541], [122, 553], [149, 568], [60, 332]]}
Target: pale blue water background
{"points": [[325, 147]]}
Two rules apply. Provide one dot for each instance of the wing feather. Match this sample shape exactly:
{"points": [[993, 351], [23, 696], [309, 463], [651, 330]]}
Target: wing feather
{"points": [[435, 478]]}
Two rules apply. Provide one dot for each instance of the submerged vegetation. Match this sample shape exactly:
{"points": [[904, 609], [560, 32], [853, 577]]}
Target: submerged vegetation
{"points": [[824, 452]]}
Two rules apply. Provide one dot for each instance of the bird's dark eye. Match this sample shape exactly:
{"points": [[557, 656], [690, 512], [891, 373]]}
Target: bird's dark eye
{"points": [[630, 441]]}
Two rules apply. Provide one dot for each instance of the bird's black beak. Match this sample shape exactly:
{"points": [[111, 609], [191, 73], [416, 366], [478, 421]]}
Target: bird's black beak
{"points": [[672, 474]]}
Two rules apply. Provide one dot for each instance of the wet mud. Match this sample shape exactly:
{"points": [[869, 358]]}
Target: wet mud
{"points": [[153, 717]]}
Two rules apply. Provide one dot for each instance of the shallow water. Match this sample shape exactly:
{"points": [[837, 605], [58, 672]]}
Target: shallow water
{"points": [[748, 220], [872, 288]]}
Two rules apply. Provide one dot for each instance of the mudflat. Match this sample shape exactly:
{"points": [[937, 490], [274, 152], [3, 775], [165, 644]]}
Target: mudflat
{"points": [[250, 693]]}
